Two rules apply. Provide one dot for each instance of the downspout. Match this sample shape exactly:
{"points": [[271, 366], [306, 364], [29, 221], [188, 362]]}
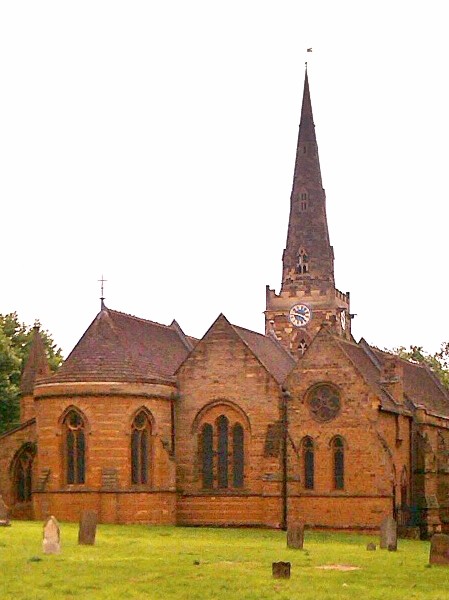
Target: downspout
{"points": [[284, 459]]}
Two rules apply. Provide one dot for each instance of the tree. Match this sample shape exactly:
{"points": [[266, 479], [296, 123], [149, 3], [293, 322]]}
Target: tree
{"points": [[438, 362], [15, 341]]}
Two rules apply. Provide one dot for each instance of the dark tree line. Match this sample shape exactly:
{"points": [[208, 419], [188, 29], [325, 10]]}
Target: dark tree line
{"points": [[438, 362]]}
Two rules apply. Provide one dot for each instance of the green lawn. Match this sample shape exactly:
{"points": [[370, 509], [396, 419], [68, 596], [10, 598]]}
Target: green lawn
{"points": [[202, 563]]}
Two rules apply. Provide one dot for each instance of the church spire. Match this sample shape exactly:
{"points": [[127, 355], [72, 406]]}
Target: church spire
{"points": [[308, 256], [308, 296]]}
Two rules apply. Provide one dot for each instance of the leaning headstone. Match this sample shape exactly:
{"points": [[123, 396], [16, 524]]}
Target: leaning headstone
{"points": [[281, 570], [439, 549], [371, 546], [388, 534], [88, 527], [4, 514], [295, 535], [52, 537]]}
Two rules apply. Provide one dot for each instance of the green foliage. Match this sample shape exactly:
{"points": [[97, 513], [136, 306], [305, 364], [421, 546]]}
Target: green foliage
{"points": [[176, 563], [438, 362], [15, 341]]}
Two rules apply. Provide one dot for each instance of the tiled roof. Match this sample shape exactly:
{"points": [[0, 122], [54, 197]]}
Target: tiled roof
{"points": [[36, 365], [270, 353], [121, 347], [366, 364], [421, 387]]}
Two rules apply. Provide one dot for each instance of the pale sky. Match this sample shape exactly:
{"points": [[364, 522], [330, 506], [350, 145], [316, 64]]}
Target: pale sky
{"points": [[154, 143]]}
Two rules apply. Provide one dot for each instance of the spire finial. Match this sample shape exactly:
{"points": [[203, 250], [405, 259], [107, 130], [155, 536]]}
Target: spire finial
{"points": [[102, 281]]}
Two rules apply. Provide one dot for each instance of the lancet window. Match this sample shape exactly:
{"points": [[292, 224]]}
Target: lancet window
{"points": [[222, 454], [308, 456], [302, 264], [75, 447], [140, 449], [339, 463], [23, 469]]}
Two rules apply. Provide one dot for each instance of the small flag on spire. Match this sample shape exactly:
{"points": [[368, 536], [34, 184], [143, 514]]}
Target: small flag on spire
{"points": [[309, 49]]}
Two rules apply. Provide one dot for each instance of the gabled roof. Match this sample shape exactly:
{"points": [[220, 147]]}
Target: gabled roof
{"points": [[277, 361], [36, 365], [421, 387], [370, 369], [273, 356], [121, 347]]}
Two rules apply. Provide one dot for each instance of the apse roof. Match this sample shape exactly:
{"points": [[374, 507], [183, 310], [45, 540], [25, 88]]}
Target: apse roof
{"points": [[121, 347]]}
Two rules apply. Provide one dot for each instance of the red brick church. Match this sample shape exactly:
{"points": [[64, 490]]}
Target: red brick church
{"points": [[145, 424]]}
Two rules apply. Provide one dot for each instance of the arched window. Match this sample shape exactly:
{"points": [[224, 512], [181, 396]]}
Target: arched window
{"points": [[303, 262], [339, 463], [223, 429], [237, 455], [207, 455], [75, 447], [23, 469], [140, 449], [309, 463], [222, 454]]}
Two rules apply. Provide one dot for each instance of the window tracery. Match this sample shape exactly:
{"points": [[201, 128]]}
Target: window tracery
{"points": [[323, 401], [23, 470], [140, 448], [75, 447], [222, 454]]}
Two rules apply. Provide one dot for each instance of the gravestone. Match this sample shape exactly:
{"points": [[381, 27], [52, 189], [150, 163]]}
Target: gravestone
{"points": [[281, 570], [439, 549], [88, 527], [4, 514], [388, 534], [371, 546], [295, 535], [52, 537]]}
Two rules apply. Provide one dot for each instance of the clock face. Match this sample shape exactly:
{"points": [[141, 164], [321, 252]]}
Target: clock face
{"points": [[300, 315]]}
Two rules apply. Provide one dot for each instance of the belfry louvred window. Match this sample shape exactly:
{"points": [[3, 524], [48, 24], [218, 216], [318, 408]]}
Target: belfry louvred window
{"points": [[140, 449], [75, 447], [221, 448]]}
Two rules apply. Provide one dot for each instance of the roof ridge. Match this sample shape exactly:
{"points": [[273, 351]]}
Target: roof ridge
{"points": [[123, 314]]}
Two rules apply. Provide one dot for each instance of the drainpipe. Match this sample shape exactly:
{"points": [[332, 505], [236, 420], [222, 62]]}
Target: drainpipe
{"points": [[284, 492]]}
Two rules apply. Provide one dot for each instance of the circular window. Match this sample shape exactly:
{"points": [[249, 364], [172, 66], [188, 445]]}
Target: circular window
{"points": [[324, 402]]}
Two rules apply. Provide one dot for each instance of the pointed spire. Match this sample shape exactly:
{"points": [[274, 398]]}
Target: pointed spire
{"points": [[36, 365], [308, 257]]}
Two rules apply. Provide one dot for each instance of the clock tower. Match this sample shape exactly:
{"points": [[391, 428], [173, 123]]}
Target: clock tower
{"points": [[308, 296]]}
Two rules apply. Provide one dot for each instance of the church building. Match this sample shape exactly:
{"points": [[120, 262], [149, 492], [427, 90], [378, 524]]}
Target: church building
{"points": [[145, 424]]}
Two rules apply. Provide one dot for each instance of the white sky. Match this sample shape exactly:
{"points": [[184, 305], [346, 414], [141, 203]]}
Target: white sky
{"points": [[154, 143]]}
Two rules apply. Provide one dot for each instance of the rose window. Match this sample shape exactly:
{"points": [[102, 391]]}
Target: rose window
{"points": [[324, 402]]}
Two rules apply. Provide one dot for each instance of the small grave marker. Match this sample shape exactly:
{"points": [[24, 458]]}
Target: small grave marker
{"points": [[295, 536], [281, 570], [371, 546], [52, 537], [88, 527], [4, 514], [388, 534], [439, 549]]}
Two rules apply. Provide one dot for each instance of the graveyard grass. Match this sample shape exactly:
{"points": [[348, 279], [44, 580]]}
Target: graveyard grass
{"points": [[204, 563]]}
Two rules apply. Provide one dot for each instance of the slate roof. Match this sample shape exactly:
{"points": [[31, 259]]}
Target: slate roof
{"points": [[370, 369], [120, 347], [269, 351], [422, 388]]}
